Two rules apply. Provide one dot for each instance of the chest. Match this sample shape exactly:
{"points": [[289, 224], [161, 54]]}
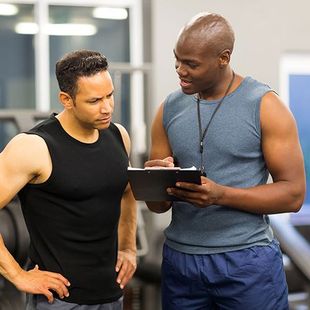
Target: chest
{"points": [[233, 132], [83, 171]]}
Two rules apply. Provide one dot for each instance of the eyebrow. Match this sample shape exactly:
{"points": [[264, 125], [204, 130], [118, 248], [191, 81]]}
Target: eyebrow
{"points": [[186, 60], [98, 98], [111, 93]]}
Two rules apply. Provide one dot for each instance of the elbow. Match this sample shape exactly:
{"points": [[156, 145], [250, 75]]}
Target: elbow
{"points": [[296, 206], [298, 199]]}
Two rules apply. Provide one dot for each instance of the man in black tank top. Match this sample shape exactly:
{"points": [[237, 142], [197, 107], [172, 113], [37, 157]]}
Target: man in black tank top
{"points": [[70, 173]]}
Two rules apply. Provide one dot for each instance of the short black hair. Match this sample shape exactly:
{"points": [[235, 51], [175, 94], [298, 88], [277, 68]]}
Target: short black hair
{"points": [[77, 64]]}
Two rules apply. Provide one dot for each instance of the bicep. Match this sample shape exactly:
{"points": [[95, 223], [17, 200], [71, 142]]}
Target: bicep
{"points": [[17, 168], [160, 147], [280, 142], [10, 183]]}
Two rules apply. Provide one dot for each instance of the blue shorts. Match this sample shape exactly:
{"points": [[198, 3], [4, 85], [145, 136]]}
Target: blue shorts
{"points": [[249, 279]]}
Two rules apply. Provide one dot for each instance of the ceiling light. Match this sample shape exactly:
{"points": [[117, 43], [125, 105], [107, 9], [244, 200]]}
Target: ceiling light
{"points": [[8, 9], [58, 29], [26, 28], [71, 29], [110, 13]]}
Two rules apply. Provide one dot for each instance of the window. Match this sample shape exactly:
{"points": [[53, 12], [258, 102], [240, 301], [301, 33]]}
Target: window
{"points": [[17, 77], [108, 36], [37, 33], [294, 89]]}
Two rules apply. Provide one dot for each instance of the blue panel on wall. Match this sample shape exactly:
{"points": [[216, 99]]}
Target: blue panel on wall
{"points": [[299, 99]]}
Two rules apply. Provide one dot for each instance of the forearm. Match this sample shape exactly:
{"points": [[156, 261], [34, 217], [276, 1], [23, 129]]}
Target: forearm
{"points": [[278, 197], [159, 207], [128, 223], [9, 268]]}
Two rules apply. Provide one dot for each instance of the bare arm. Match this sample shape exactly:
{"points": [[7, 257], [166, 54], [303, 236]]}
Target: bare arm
{"points": [[284, 159], [16, 168], [22, 161], [126, 263], [15, 173], [161, 155]]}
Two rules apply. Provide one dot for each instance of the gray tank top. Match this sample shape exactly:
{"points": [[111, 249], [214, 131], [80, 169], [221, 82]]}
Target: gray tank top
{"points": [[232, 157]]}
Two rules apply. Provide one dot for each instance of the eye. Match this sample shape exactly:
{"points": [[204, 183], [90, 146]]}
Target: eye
{"points": [[176, 64], [192, 65], [93, 101]]}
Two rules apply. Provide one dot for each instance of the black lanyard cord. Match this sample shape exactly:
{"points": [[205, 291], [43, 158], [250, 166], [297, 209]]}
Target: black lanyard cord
{"points": [[202, 134]]}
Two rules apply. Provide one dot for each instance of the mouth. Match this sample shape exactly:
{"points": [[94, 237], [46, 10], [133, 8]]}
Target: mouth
{"points": [[104, 119], [185, 83]]}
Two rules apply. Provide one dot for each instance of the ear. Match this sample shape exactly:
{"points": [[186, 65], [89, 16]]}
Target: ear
{"points": [[65, 100], [224, 58]]}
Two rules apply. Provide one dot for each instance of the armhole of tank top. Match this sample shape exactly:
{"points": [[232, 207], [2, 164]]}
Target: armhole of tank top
{"points": [[30, 132], [34, 133], [118, 134]]}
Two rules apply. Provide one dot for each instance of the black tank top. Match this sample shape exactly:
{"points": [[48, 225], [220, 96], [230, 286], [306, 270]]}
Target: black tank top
{"points": [[72, 218]]}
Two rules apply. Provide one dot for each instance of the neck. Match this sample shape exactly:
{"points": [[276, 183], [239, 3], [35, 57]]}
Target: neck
{"points": [[77, 129], [220, 88]]}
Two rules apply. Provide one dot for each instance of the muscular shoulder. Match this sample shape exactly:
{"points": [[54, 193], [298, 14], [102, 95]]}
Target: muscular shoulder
{"points": [[25, 152], [274, 114], [27, 143]]}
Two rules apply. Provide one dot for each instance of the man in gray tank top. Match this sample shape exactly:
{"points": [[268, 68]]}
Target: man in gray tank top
{"points": [[220, 252]]}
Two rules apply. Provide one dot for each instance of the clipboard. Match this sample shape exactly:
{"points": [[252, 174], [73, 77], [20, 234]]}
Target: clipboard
{"points": [[150, 184]]}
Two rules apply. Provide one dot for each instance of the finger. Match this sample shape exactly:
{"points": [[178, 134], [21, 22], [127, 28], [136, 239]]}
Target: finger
{"points": [[48, 294], [122, 274], [158, 163], [53, 275], [188, 186], [169, 159], [119, 263], [58, 287], [58, 276], [127, 277], [195, 199], [57, 283], [178, 191], [204, 180], [60, 291], [184, 194], [129, 270]]}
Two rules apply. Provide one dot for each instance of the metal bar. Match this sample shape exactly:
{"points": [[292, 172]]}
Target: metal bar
{"points": [[293, 244], [42, 68], [125, 67], [138, 126]]}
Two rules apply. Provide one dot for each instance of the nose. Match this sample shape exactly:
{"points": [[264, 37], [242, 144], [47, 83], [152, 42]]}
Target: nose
{"points": [[180, 69], [106, 106]]}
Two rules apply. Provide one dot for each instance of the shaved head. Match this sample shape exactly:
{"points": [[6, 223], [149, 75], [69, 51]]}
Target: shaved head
{"points": [[208, 30]]}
